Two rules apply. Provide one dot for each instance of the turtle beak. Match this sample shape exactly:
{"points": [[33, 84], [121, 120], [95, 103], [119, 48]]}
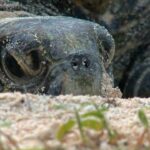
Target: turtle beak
{"points": [[78, 74]]}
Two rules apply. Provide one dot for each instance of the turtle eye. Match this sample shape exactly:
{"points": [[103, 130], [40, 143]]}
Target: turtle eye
{"points": [[21, 66], [12, 66]]}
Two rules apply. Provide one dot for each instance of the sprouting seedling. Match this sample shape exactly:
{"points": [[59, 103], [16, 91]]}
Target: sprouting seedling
{"points": [[78, 119], [101, 123], [92, 120], [88, 120], [101, 116], [65, 128], [113, 135], [144, 120], [96, 119]]}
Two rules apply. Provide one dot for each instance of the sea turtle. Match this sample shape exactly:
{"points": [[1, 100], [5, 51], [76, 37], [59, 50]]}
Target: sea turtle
{"points": [[55, 55], [128, 21]]}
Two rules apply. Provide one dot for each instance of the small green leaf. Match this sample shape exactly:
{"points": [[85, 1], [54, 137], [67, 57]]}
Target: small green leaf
{"points": [[79, 124], [92, 114], [112, 134], [59, 106], [5, 123], [101, 116], [66, 127], [143, 118], [92, 123]]}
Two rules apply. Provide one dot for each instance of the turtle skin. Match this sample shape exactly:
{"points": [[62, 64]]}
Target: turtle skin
{"points": [[54, 55]]}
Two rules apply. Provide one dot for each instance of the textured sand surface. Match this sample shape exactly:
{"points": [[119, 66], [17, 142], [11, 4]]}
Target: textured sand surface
{"points": [[33, 120]]}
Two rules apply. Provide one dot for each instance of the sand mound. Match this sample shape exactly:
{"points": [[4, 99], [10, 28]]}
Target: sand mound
{"points": [[28, 120]]}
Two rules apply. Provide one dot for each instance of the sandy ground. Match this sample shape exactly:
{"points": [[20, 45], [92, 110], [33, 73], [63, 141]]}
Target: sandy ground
{"points": [[33, 121]]}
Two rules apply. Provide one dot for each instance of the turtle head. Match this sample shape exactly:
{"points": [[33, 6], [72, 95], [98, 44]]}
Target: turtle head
{"points": [[54, 55]]}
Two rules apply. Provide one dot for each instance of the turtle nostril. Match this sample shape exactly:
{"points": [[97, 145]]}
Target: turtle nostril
{"points": [[85, 62], [74, 65], [79, 62]]}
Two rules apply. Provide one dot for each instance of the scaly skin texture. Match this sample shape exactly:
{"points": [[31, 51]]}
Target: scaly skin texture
{"points": [[54, 55]]}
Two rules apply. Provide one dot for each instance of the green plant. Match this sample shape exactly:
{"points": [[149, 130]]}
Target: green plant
{"points": [[143, 118], [92, 120], [65, 128], [112, 134], [146, 132], [80, 125], [5, 123]]}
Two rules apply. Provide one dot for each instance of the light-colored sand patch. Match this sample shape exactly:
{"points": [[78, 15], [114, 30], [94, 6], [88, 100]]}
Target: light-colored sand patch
{"points": [[32, 120]]}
